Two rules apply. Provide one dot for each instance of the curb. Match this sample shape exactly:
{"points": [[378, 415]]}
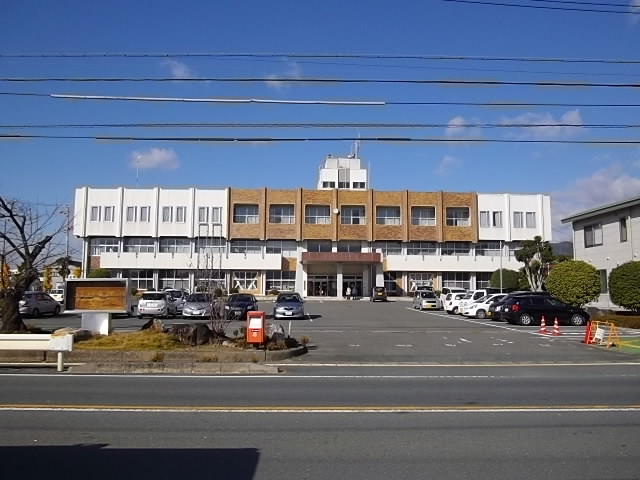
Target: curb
{"points": [[176, 368]]}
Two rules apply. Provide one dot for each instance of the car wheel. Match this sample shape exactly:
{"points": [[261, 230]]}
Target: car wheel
{"points": [[455, 310], [35, 313], [481, 314], [525, 319], [56, 311], [577, 320]]}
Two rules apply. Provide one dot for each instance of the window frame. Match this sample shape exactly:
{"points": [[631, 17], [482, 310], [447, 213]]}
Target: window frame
{"points": [[353, 215], [423, 221], [624, 229], [485, 219], [132, 214], [590, 235], [530, 216], [458, 217], [388, 215], [95, 214], [315, 212], [518, 219], [282, 214]]}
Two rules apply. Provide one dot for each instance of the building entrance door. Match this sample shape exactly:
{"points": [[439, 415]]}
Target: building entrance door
{"points": [[352, 281], [321, 286]]}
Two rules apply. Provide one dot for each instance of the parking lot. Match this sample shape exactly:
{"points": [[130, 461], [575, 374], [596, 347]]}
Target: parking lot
{"points": [[392, 332]]}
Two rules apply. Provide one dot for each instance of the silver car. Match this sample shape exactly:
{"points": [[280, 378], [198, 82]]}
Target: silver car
{"points": [[34, 304], [198, 305], [288, 305]]}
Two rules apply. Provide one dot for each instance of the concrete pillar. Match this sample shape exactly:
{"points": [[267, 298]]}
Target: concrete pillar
{"points": [[339, 280]]}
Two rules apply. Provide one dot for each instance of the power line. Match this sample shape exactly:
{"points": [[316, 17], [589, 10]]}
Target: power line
{"points": [[317, 80], [544, 7], [280, 55], [453, 140], [497, 104]]}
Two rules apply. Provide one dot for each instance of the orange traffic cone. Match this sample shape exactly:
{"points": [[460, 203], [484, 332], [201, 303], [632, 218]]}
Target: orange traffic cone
{"points": [[543, 327], [556, 327]]}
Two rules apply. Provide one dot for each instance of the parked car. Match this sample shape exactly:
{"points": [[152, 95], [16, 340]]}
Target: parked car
{"points": [[426, 300], [288, 305], [447, 290], [452, 301], [34, 304], [238, 304], [495, 309], [475, 296], [378, 294], [197, 305], [529, 310], [480, 308], [179, 297], [466, 298], [156, 304], [57, 294]]}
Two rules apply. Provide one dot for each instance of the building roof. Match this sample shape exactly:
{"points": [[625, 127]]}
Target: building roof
{"points": [[607, 208]]}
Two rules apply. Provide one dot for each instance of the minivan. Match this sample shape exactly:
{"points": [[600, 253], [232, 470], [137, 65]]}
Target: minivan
{"points": [[446, 290]]}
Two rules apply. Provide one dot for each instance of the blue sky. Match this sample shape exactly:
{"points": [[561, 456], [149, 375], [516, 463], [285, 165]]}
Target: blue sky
{"points": [[578, 176]]}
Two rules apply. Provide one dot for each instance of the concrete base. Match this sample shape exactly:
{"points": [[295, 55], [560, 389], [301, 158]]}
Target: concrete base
{"points": [[97, 322]]}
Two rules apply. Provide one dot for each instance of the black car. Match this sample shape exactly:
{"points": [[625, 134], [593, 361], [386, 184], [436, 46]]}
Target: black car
{"points": [[529, 310], [495, 309], [238, 304]]}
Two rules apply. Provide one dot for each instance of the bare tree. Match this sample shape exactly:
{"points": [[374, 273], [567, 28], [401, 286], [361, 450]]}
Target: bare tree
{"points": [[29, 242]]}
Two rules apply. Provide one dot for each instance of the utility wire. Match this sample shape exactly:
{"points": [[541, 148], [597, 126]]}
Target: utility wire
{"points": [[8, 136], [498, 104], [317, 80], [544, 7]]}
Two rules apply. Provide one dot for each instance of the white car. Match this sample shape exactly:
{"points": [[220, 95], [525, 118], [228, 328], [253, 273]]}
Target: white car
{"points": [[447, 290], [451, 303], [156, 304], [426, 300], [480, 307], [464, 301], [57, 294]]}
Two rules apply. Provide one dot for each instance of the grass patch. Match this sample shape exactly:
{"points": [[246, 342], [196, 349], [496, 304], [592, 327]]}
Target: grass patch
{"points": [[131, 341], [629, 346]]}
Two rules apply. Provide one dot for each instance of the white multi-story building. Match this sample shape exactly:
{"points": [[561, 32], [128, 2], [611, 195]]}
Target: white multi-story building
{"points": [[317, 242], [605, 237]]}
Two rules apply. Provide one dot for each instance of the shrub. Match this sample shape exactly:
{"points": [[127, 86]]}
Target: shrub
{"points": [[234, 290], [510, 279], [624, 286], [304, 340], [217, 292], [99, 273], [574, 282]]}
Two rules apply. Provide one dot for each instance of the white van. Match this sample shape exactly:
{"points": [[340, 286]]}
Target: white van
{"points": [[57, 294], [446, 290]]}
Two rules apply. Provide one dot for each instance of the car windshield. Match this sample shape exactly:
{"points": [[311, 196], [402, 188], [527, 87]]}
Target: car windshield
{"points": [[198, 298], [153, 296], [240, 298], [427, 295], [292, 298], [482, 299]]}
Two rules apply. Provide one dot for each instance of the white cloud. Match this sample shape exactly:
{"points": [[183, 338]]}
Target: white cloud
{"points": [[447, 164], [293, 71], [177, 69], [458, 127], [549, 128], [634, 6], [606, 185], [154, 158]]}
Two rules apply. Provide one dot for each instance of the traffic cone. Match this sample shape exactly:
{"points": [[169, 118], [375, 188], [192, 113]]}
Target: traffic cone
{"points": [[556, 327], [543, 327]]}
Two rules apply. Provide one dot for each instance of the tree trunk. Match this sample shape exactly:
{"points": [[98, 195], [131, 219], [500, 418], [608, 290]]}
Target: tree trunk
{"points": [[11, 318]]}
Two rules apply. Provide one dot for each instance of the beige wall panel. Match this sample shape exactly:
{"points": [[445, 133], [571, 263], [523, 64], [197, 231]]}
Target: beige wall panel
{"points": [[247, 197]]}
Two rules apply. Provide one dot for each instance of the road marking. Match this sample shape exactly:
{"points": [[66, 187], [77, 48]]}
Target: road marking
{"points": [[404, 345]]}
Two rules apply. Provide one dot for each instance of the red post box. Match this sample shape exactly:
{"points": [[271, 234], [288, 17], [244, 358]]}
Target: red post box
{"points": [[255, 327]]}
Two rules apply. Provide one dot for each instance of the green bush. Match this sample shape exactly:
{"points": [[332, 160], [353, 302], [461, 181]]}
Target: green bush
{"points": [[510, 279], [574, 282], [99, 273], [624, 286], [234, 290]]}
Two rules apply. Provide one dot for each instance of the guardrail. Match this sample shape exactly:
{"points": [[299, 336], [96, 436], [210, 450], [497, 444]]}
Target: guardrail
{"points": [[38, 342]]}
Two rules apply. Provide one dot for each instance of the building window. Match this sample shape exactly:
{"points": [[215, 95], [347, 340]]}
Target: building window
{"points": [[391, 283], [144, 214], [140, 279], [422, 248], [352, 215], [531, 219], [419, 279], [484, 219], [343, 184], [593, 235], [209, 246], [286, 248], [483, 279], [95, 214], [216, 215], [175, 245], [104, 245], [355, 247], [497, 219], [139, 245], [318, 245], [423, 216], [203, 215], [210, 279], [623, 229], [455, 248], [108, 214], [388, 248], [488, 249], [603, 281], [167, 214], [388, 215], [178, 279], [456, 279], [517, 220], [245, 280], [281, 214], [458, 216], [281, 281], [317, 214], [358, 184], [513, 248], [132, 214], [246, 246], [328, 184], [181, 214], [245, 214]]}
